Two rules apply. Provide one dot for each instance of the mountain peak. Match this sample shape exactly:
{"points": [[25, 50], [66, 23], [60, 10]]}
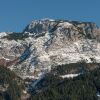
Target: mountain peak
{"points": [[46, 43], [62, 48], [70, 28]]}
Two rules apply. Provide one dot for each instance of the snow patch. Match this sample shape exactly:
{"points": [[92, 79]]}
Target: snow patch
{"points": [[65, 25], [69, 75], [2, 34], [5, 58]]}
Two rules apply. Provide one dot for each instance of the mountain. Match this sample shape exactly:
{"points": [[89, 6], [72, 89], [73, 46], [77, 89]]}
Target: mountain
{"points": [[57, 48]]}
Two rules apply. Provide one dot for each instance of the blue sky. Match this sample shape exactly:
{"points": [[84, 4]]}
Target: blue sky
{"points": [[16, 14]]}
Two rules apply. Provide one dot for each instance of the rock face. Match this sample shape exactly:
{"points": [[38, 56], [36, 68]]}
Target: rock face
{"points": [[47, 43]]}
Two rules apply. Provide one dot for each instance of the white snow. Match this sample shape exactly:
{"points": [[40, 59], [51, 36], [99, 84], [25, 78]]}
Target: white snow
{"points": [[5, 58], [98, 95], [38, 80], [69, 75], [47, 19], [2, 34], [65, 24], [24, 91]]}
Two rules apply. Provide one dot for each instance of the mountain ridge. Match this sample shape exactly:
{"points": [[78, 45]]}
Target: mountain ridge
{"points": [[62, 48], [50, 42]]}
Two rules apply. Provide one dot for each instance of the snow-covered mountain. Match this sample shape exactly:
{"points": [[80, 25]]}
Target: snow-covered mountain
{"points": [[47, 43]]}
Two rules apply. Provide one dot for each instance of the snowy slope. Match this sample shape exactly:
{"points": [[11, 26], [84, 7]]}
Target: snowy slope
{"points": [[47, 43]]}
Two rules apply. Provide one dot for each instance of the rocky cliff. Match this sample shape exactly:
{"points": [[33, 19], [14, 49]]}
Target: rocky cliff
{"points": [[47, 43]]}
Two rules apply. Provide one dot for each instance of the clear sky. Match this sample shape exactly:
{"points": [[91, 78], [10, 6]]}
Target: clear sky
{"points": [[16, 14]]}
